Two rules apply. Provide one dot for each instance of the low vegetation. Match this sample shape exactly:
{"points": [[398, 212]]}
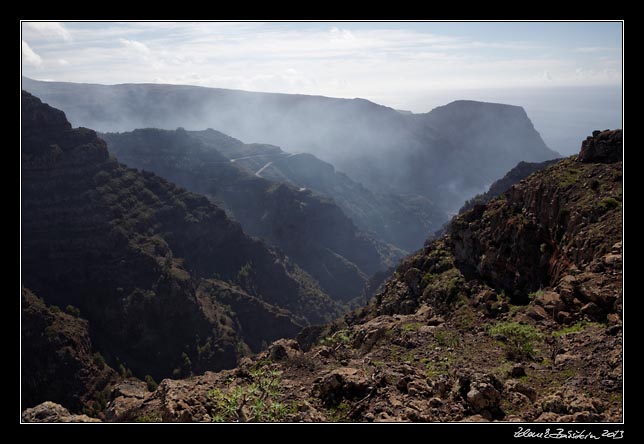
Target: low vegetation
{"points": [[518, 339], [257, 401]]}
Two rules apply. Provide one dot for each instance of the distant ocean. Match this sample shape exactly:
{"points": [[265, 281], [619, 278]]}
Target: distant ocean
{"points": [[564, 116]]}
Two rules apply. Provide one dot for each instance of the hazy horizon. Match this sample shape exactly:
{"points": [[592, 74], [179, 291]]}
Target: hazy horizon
{"points": [[561, 125], [567, 75]]}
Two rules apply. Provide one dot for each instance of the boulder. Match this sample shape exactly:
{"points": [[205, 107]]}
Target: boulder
{"points": [[553, 404], [550, 301], [537, 313], [51, 412], [548, 417], [127, 397], [514, 385], [570, 402], [283, 349], [602, 147], [419, 388], [341, 383], [412, 279], [483, 397]]}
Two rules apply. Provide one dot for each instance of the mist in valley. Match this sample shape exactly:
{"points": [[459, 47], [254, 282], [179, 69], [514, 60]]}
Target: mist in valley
{"points": [[384, 150]]}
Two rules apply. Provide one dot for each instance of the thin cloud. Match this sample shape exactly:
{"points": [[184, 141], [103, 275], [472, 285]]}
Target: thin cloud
{"points": [[51, 30], [334, 59], [593, 49], [29, 56], [135, 46]]}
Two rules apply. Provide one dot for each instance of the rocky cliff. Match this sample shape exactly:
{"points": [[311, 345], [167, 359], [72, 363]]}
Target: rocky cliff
{"points": [[132, 250], [514, 176], [514, 315], [58, 361], [309, 228], [480, 132]]}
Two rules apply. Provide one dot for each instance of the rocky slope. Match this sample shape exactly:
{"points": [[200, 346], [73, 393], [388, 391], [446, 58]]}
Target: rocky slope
{"points": [[155, 270], [514, 176], [58, 361], [515, 315], [310, 229], [445, 156]]}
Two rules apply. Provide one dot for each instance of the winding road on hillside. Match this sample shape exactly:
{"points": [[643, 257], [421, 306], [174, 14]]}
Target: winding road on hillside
{"points": [[259, 171]]}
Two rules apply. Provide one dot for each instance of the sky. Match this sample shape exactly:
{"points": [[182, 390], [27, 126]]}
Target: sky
{"points": [[405, 65]]}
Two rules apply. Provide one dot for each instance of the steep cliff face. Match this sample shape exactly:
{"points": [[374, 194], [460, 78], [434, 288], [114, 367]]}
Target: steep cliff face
{"points": [[453, 337], [489, 130], [129, 250], [557, 227], [565, 218], [514, 176], [58, 361], [310, 229]]}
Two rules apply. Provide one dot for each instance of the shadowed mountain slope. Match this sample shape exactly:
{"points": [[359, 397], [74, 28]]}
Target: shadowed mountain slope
{"points": [[308, 227], [164, 278]]}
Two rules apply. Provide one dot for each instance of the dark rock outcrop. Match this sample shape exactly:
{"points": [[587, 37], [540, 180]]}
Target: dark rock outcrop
{"points": [[59, 363], [603, 146], [514, 176], [532, 236], [51, 412]]}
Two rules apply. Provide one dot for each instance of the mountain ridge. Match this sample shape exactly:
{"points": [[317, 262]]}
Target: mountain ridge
{"points": [[129, 249], [386, 151]]}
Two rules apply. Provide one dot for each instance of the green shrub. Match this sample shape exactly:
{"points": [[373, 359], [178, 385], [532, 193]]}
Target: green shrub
{"points": [[124, 371], [608, 203], [411, 327], [446, 339], [70, 309], [99, 360], [569, 176], [343, 336], [150, 417], [427, 278], [258, 401], [340, 413], [152, 384], [443, 289], [519, 339], [575, 328], [535, 294], [186, 364]]}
